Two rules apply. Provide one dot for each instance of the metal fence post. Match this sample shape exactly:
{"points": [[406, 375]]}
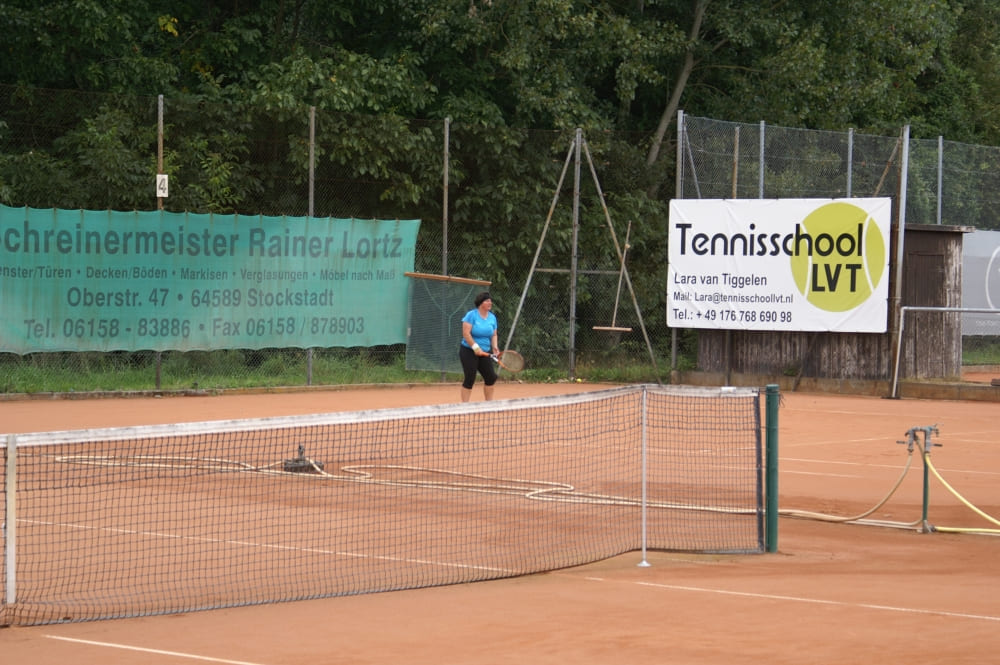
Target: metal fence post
{"points": [[771, 466], [10, 525], [311, 212]]}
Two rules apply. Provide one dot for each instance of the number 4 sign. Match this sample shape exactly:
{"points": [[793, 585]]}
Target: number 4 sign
{"points": [[162, 185]]}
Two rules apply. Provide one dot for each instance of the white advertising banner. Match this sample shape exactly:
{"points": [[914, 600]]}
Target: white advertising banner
{"points": [[779, 264], [981, 282]]}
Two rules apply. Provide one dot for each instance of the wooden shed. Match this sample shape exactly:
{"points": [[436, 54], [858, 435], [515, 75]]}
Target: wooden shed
{"points": [[932, 341]]}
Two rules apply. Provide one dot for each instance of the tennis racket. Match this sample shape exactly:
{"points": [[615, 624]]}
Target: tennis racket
{"points": [[512, 361]]}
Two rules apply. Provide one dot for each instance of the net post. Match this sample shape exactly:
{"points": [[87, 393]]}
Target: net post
{"points": [[645, 562], [925, 525], [772, 396], [10, 525]]}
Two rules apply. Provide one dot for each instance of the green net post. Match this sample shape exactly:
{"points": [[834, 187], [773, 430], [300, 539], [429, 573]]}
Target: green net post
{"points": [[771, 468]]}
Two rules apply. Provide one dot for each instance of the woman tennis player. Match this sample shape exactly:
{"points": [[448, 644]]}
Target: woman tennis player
{"points": [[479, 340]]}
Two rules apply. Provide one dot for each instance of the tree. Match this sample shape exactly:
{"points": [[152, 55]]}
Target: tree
{"points": [[621, 65], [824, 65], [108, 45]]}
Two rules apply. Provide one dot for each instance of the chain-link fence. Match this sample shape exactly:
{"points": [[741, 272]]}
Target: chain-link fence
{"points": [[483, 193], [482, 218], [946, 182], [942, 183]]}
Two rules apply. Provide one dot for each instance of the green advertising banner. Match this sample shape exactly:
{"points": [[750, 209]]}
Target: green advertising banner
{"points": [[106, 281]]}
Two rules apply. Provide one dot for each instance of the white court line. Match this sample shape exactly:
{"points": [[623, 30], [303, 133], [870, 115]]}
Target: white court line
{"points": [[962, 434], [782, 460], [861, 414], [818, 473], [970, 439], [268, 546], [830, 461], [814, 601], [159, 652], [829, 442]]}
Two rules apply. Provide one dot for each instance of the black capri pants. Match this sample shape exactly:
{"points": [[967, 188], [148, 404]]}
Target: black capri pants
{"points": [[471, 363]]}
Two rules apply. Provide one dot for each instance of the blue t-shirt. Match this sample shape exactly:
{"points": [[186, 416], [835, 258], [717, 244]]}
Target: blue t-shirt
{"points": [[482, 329]]}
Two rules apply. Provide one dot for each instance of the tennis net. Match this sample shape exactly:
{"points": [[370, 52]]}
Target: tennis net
{"points": [[137, 521]]}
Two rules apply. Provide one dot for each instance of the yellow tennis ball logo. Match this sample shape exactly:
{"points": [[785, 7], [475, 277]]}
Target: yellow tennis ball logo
{"points": [[838, 257]]}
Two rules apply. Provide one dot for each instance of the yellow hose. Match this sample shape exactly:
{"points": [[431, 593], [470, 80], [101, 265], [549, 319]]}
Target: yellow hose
{"points": [[955, 529], [805, 514], [945, 529], [930, 465]]}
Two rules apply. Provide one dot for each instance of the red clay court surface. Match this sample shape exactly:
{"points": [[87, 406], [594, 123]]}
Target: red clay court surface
{"points": [[833, 593]]}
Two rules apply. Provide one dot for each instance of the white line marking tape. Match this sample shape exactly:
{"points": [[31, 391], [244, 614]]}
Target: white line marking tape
{"points": [[160, 652], [819, 601]]}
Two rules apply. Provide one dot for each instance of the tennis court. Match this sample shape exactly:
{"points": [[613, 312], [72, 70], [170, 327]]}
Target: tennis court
{"points": [[833, 593]]}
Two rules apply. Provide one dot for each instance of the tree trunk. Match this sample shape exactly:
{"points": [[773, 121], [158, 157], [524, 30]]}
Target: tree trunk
{"points": [[675, 97]]}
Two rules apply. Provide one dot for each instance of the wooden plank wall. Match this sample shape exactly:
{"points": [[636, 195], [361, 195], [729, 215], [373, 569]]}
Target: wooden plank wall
{"points": [[932, 341]]}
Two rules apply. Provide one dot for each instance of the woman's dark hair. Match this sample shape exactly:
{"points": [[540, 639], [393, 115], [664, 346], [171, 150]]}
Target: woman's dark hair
{"points": [[482, 297]]}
